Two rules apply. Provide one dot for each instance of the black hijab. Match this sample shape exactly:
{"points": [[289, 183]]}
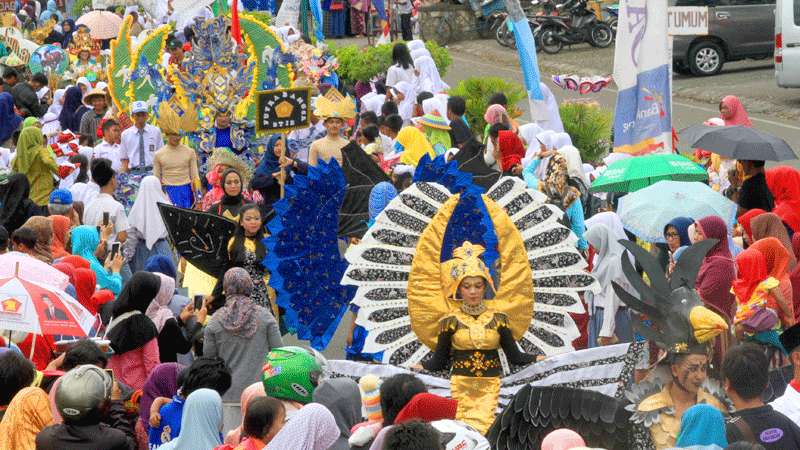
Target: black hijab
{"points": [[229, 203], [69, 117], [15, 206], [135, 330]]}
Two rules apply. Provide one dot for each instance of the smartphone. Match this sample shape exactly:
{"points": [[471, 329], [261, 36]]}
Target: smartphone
{"points": [[105, 218], [114, 249], [110, 373], [198, 302]]}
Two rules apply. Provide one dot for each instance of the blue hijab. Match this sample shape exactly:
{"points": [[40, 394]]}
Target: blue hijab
{"points": [[69, 118], [380, 196], [269, 163], [200, 422], [9, 121], [67, 34], [681, 225], [85, 240], [160, 264], [702, 424]]}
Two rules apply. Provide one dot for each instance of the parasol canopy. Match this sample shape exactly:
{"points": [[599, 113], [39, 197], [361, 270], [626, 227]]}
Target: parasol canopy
{"points": [[101, 24], [738, 142], [31, 269], [632, 174]]}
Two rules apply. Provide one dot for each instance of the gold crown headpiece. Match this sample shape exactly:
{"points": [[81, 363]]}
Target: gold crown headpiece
{"points": [[171, 123], [466, 262], [334, 104]]}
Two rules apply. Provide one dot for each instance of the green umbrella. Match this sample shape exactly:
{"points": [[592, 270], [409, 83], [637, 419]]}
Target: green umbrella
{"points": [[632, 174]]}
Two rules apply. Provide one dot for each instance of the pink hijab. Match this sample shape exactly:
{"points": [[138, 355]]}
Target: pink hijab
{"points": [[737, 115], [158, 311], [495, 114], [255, 390]]}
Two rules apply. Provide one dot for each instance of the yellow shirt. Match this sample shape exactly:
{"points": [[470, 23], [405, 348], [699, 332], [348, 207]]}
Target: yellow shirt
{"points": [[175, 166]]}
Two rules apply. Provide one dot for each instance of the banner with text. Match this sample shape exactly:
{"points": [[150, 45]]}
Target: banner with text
{"points": [[642, 62], [687, 20]]}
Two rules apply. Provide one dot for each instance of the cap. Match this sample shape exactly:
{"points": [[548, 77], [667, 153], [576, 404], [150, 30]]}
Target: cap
{"points": [[140, 107], [61, 197]]}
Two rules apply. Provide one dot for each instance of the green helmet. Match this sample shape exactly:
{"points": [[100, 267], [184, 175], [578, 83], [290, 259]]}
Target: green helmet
{"points": [[291, 373]]}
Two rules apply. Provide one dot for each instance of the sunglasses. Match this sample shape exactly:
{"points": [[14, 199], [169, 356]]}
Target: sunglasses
{"points": [[671, 234]]}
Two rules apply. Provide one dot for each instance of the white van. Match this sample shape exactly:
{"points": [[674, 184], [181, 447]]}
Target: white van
{"points": [[787, 43]]}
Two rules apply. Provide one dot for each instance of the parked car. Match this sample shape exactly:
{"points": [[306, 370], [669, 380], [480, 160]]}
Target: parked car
{"points": [[737, 29], [787, 43]]}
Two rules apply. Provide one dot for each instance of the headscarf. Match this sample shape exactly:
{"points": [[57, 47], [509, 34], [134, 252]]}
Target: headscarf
{"points": [[607, 265], [436, 107], [419, 53], [548, 139], [26, 415], [611, 221], [162, 382], [9, 120], [562, 439], [15, 205], [550, 112], [85, 287], [406, 107], [751, 269], [681, 225], [29, 148], [201, 422], [343, 399], [84, 242], [775, 255], [415, 44], [738, 115], [44, 237], [76, 261], [373, 102], [379, 198], [745, 220], [429, 78], [160, 264], [73, 100], [68, 270], [718, 269], [784, 184], [702, 424], [574, 163], [61, 226], [238, 314], [56, 106], [495, 114], [714, 227], [770, 225], [157, 311], [30, 121], [144, 215], [414, 146], [130, 328], [511, 149], [67, 34], [269, 163], [311, 428], [250, 393], [428, 408]]}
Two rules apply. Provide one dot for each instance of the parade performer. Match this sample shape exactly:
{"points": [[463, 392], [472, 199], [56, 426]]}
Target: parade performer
{"points": [[333, 109], [85, 50], [683, 327], [175, 165]]}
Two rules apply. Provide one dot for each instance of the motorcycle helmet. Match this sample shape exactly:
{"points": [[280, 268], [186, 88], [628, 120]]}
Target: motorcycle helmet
{"points": [[291, 373], [81, 391]]}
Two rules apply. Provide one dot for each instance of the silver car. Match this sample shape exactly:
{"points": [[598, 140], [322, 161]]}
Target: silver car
{"points": [[737, 29]]}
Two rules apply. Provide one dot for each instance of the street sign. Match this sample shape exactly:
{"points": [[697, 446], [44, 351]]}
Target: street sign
{"points": [[687, 20], [282, 110]]}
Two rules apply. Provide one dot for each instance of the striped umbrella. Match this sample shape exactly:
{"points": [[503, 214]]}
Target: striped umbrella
{"points": [[632, 174], [101, 24]]}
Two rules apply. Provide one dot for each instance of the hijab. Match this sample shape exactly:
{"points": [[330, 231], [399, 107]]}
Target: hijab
{"points": [[56, 106], [269, 163], [511, 149], [429, 78], [311, 428], [737, 115], [611, 221], [130, 328], [419, 53], [751, 269], [495, 114], [416, 44], [67, 34], [9, 120], [607, 265], [562, 439], [76, 261], [702, 424], [68, 117], [15, 206], [681, 225], [43, 228], [161, 264], [343, 399], [29, 148], [250, 393], [406, 107], [435, 106], [784, 184], [745, 220], [85, 287], [718, 269], [84, 242], [770, 225], [713, 227], [61, 226], [428, 408], [238, 315], [68, 270], [415, 145], [26, 415], [144, 215], [775, 255], [201, 422], [157, 311], [574, 163], [379, 198], [548, 139], [230, 203], [162, 382]]}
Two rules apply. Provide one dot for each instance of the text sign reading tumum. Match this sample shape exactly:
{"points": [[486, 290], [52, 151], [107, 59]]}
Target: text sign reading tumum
{"points": [[282, 110], [687, 20]]}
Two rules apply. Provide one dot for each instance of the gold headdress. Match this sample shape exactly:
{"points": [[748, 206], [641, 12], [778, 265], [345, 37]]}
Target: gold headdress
{"points": [[82, 40], [334, 105], [171, 123], [466, 262], [40, 34], [222, 155]]}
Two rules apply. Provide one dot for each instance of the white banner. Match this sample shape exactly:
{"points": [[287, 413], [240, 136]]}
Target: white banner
{"points": [[687, 20], [15, 42], [288, 14]]}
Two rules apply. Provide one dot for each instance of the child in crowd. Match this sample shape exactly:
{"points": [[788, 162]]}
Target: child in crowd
{"points": [[370, 140], [108, 147]]}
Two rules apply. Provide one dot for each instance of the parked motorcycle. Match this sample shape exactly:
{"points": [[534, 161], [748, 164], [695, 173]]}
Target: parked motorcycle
{"points": [[534, 11], [580, 26], [611, 16]]}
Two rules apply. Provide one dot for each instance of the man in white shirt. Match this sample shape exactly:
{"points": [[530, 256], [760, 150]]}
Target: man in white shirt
{"points": [[140, 142], [109, 147], [104, 176], [789, 403]]}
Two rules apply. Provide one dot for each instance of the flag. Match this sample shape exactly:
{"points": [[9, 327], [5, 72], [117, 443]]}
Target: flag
{"points": [[236, 31], [526, 48], [642, 63]]}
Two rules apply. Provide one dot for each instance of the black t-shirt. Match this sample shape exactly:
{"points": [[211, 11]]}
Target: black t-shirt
{"points": [[769, 428], [754, 194]]}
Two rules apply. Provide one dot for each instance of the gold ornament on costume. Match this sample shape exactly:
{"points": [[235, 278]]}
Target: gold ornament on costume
{"points": [[466, 262], [40, 34], [334, 105], [82, 41], [171, 122]]}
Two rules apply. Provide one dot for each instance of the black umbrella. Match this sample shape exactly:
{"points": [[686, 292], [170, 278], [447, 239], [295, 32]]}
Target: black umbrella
{"points": [[738, 142]]}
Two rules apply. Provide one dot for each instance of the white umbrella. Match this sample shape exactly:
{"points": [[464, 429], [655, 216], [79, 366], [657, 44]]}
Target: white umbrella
{"points": [[102, 24], [32, 269]]}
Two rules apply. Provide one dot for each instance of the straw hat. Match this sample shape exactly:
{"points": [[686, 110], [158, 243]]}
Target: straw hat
{"points": [[87, 99]]}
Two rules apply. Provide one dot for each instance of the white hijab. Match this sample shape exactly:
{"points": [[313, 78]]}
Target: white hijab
{"points": [[58, 102], [144, 214], [562, 139], [419, 53], [574, 162], [607, 265], [548, 139], [528, 134], [415, 44], [373, 102], [435, 106], [429, 79], [406, 108], [549, 117]]}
